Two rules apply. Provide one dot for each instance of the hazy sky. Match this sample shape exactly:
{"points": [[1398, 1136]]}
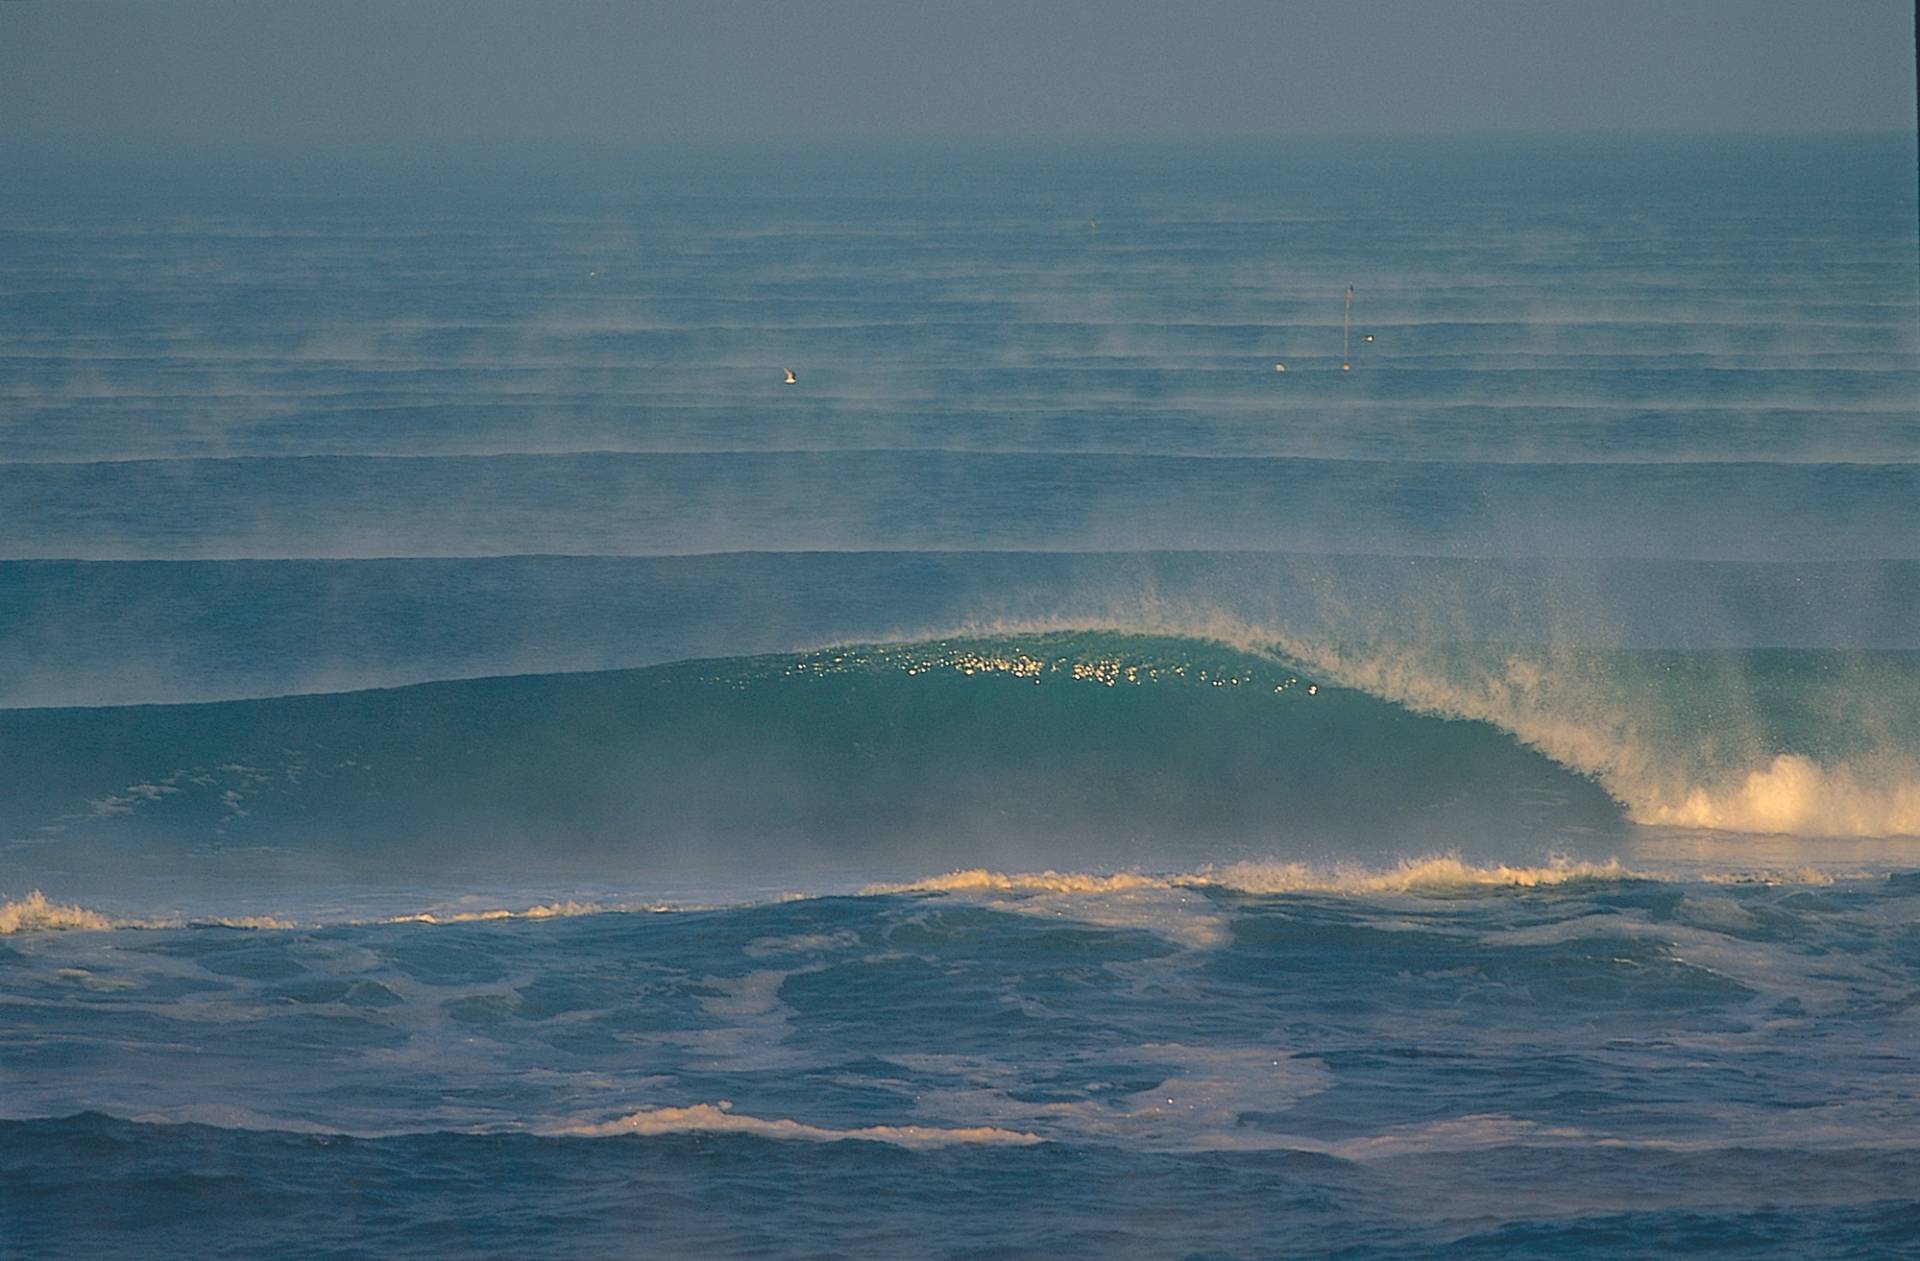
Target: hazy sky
{"points": [[216, 72]]}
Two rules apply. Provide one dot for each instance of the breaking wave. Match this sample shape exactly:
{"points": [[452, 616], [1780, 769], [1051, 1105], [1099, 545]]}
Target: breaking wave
{"points": [[1073, 750]]}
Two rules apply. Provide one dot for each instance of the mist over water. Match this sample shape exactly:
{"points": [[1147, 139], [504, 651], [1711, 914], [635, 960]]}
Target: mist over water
{"points": [[440, 651]]}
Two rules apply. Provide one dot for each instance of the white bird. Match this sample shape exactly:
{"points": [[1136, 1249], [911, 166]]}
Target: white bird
{"points": [[1279, 367], [790, 377]]}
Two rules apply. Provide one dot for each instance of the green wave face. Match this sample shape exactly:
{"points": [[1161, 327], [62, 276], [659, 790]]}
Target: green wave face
{"points": [[1037, 750]]}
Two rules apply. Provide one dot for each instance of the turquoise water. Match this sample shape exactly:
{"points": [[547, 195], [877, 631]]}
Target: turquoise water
{"points": [[490, 769]]}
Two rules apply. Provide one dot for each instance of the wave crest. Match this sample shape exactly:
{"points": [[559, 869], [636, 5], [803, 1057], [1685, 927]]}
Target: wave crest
{"points": [[36, 914], [1433, 874]]}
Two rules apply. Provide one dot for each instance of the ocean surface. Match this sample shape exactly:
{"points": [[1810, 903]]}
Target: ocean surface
{"points": [[1127, 755]]}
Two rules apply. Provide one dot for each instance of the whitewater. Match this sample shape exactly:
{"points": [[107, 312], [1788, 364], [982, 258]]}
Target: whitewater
{"points": [[487, 767]]}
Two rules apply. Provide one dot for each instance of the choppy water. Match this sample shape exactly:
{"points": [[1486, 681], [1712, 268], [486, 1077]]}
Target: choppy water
{"points": [[1044, 782]]}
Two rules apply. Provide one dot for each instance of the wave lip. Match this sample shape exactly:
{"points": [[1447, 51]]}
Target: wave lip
{"points": [[720, 1118]]}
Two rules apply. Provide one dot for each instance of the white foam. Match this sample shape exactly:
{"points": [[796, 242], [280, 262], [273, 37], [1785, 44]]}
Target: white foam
{"points": [[1432, 874], [1163, 905], [748, 1025], [1435, 873], [34, 913], [980, 880], [1198, 1104], [1701, 935], [230, 1116], [549, 910], [1782, 875], [1452, 1134], [1796, 795], [1177, 907], [800, 943], [1171, 904], [92, 981], [720, 1118]]}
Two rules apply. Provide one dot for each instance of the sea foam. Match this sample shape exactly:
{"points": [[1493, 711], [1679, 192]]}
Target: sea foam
{"points": [[720, 1118]]}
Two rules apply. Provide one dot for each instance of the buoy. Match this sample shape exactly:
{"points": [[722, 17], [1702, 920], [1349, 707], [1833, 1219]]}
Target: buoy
{"points": [[790, 377], [1346, 367], [1369, 336]]}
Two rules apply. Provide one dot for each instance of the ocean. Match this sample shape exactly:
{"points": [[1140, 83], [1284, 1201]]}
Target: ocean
{"points": [[1338, 700]]}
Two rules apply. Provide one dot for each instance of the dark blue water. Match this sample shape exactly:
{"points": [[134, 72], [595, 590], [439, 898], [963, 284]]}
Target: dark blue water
{"points": [[488, 768], [1599, 1067]]}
